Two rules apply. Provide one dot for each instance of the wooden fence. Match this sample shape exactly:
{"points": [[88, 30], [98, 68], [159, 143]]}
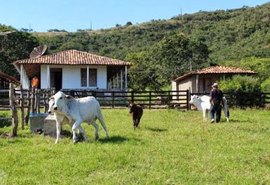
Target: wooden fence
{"points": [[32, 101], [149, 99], [28, 102]]}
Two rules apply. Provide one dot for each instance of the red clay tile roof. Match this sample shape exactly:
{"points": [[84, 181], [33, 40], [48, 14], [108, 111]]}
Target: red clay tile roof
{"points": [[72, 57], [9, 78], [216, 70]]}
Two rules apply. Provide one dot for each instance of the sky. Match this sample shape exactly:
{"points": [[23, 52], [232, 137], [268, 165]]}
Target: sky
{"points": [[71, 15]]}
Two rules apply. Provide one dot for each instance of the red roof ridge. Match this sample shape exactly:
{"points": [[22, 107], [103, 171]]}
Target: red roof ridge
{"points": [[72, 57], [216, 70]]}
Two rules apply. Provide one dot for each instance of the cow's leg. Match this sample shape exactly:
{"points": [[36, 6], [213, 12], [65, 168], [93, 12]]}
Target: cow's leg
{"points": [[204, 115], [103, 124], [134, 123], [138, 123], [59, 119], [96, 130], [81, 131], [226, 112], [76, 126], [58, 130], [228, 115]]}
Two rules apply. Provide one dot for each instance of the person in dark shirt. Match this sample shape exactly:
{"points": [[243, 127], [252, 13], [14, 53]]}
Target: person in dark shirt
{"points": [[216, 96]]}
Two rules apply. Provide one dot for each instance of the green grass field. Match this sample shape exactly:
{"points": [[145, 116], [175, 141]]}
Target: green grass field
{"points": [[171, 147]]}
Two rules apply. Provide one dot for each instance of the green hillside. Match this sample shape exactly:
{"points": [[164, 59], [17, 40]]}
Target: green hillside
{"points": [[229, 34]]}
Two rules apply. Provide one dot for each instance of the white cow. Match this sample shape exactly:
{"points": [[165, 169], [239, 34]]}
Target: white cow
{"points": [[62, 119], [85, 109], [203, 104]]}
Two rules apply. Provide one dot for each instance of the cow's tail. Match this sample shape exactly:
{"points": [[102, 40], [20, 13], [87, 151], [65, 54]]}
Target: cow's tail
{"points": [[103, 124], [226, 109]]}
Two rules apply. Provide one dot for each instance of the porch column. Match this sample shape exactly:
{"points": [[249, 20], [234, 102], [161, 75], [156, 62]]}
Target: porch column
{"points": [[117, 81], [197, 83], [48, 77], [121, 79], [22, 77], [87, 76], [126, 78]]}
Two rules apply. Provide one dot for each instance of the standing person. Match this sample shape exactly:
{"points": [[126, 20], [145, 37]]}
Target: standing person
{"points": [[35, 82], [216, 96]]}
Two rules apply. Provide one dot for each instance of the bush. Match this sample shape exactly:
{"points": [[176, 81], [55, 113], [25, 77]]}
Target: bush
{"points": [[241, 83], [265, 86], [243, 91]]}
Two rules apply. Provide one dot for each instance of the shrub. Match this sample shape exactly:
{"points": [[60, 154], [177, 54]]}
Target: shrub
{"points": [[243, 91], [265, 86]]}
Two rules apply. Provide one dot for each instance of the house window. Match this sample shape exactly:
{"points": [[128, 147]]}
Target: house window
{"points": [[83, 77], [92, 77]]}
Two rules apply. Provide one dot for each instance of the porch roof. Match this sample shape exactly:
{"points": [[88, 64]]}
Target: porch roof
{"points": [[73, 57], [215, 70]]}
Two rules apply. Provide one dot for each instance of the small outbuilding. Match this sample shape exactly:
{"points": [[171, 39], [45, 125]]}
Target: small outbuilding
{"points": [[200, 81]]}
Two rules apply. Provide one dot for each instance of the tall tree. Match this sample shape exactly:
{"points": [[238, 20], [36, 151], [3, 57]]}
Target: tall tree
{"points": [[171, 57], [15, 45]]}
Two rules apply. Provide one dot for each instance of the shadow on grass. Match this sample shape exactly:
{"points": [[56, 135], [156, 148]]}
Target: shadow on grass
{"points": [[238, 121], [66, 133], [157, 129], [113, 139]]}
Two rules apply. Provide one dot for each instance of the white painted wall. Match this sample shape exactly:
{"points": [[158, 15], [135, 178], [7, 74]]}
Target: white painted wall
{"points": [[187, 84], [43, 77], [102, 77], [174, 86], [71, 78]]}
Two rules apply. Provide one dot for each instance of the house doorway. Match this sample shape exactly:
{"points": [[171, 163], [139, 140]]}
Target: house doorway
{"points": [[56, 78]]}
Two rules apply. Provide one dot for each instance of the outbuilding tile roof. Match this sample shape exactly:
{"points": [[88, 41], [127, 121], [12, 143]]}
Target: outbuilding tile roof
{"points": [[72, 57], [216, 70]]}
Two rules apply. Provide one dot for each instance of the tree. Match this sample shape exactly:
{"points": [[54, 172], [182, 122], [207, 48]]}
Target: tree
{"points": [[14, 46], [166, 60], [128, 23], [175, 55]]}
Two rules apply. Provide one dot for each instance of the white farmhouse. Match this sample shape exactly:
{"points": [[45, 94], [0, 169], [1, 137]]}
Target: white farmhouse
{"points": [[73, 69]]}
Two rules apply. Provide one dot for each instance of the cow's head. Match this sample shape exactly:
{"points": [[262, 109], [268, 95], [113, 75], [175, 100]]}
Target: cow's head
{"points": [[132, 108], [59, 101], [194, 99]]}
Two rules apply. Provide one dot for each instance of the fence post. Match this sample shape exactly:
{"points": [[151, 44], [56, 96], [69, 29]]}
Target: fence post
{"points": [[33, 101], [169, 99], [150, 99], [38, 101], [22, 107], [28, 107], [112, 99], [132, 96], [14, 112], [188, 97]]}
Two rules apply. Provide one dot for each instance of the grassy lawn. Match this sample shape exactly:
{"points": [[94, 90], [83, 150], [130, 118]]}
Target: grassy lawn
{"points": [[171, 147]]}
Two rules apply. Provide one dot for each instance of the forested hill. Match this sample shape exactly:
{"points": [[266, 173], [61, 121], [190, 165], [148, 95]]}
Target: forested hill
{"points": [[229, 34]]}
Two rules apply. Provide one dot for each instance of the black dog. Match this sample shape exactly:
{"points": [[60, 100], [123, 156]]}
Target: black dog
{"points": [[137, 112]]}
